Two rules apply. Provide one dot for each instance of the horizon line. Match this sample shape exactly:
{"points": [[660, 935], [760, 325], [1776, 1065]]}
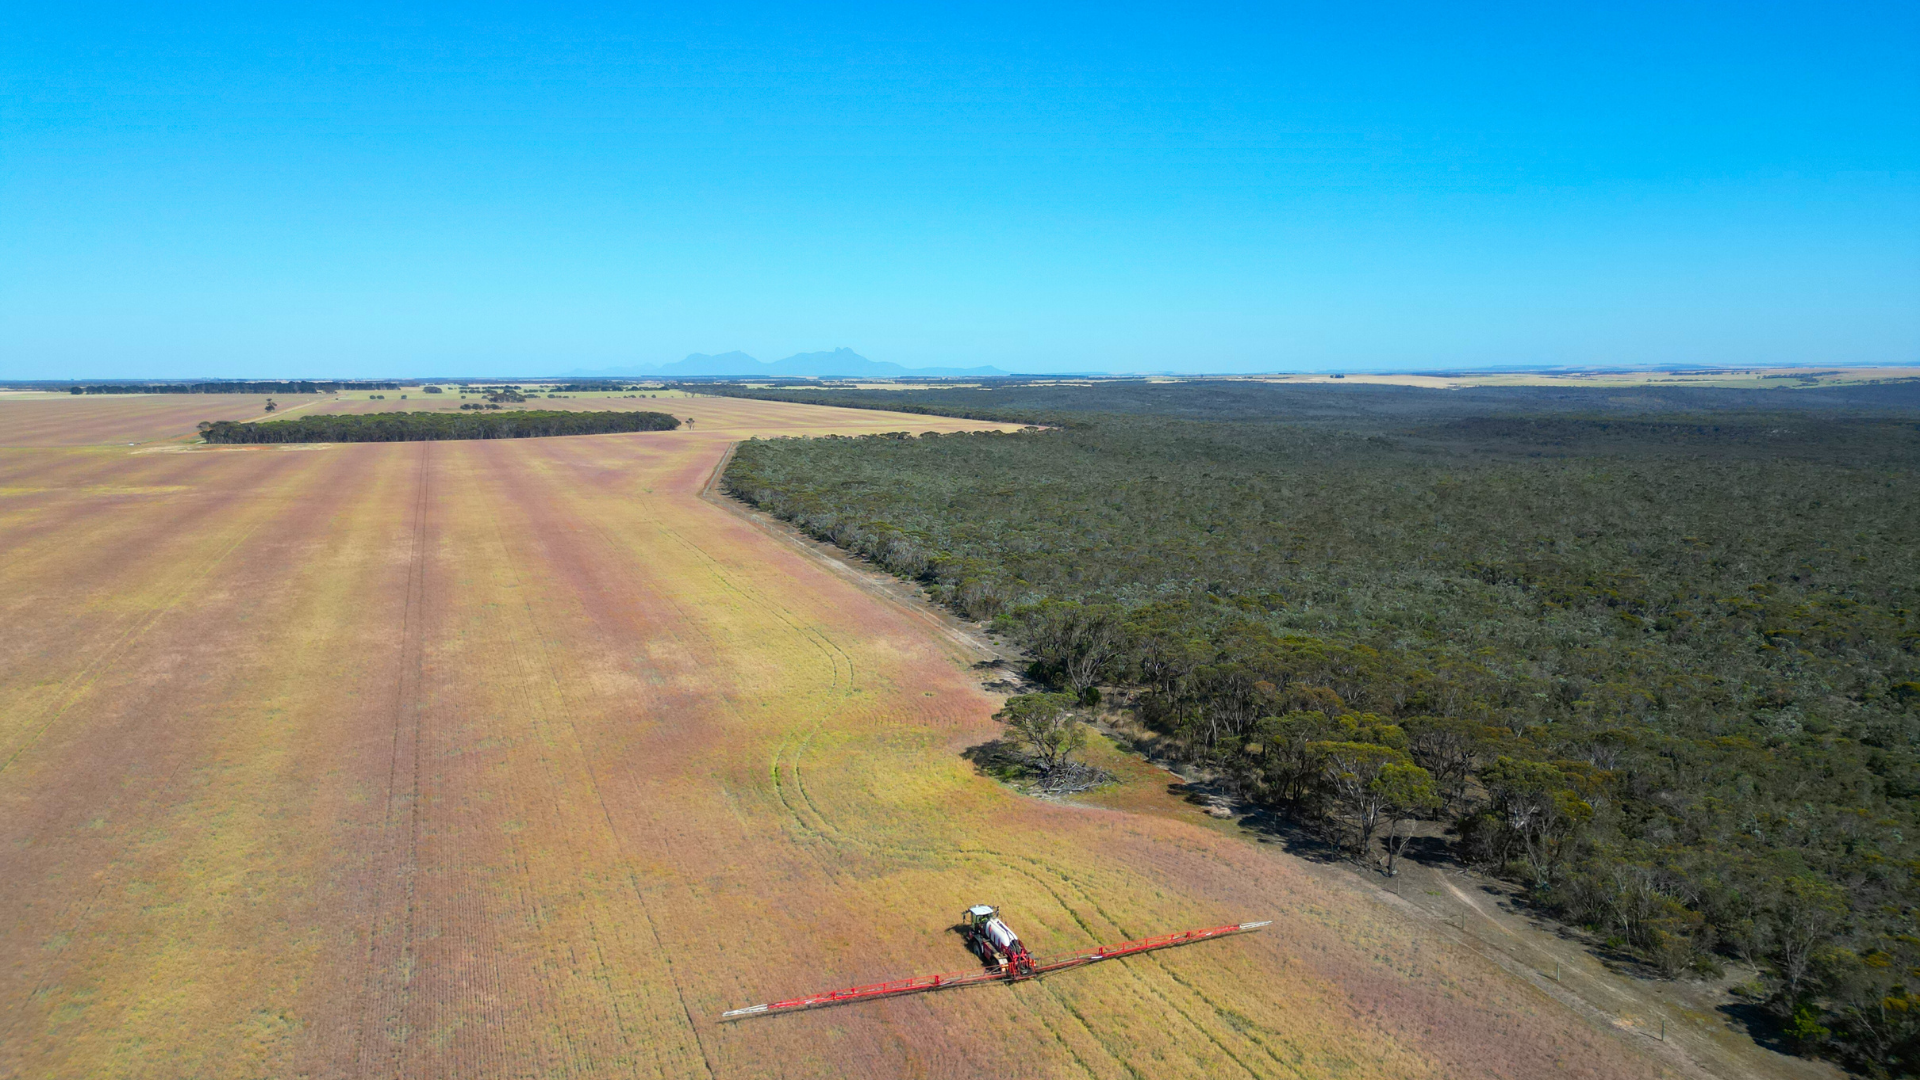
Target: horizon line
{"points": [[1446, 372]]}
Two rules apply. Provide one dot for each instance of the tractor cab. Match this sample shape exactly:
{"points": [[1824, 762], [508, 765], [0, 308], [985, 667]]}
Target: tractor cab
{"points": [[994, 941]]}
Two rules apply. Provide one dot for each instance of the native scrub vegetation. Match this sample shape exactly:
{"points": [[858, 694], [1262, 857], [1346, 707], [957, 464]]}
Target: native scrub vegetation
{"points": [[429, 426], [1660, 670]]}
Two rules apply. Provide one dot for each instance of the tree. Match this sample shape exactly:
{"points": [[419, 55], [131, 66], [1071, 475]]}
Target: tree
{"points": [[1279, 761], [1450, 749], [1534, 817], [1352, 771], [1806, 913], [410, 427], [1873, 1006], [1647, 906], [1075, 643], [1045, 725], [1407, 791], [1166, 646]]}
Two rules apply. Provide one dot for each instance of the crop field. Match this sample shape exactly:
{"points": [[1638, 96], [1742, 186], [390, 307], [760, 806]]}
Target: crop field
{"points": [[46, 420], [523, 759]]}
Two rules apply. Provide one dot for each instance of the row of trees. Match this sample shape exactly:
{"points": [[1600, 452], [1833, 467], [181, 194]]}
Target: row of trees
{"points": [[1664, 674], [295, 387], [427, 426]]}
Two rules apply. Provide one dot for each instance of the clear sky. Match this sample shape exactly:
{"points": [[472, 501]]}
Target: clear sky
{"points": [[259, 190]]}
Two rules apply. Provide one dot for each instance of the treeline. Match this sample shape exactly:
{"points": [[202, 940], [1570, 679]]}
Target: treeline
{"points": [[960, 403], [1659, 670], [232, 388], [428, 426], [1057, 402]]}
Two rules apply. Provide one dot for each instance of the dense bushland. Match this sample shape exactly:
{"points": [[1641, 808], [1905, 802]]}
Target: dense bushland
{"points": [[1660, 669], [426, 426], [1055, 401]]}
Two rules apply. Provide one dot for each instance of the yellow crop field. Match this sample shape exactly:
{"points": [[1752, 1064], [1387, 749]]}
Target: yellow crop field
{"points": [[523, 759]]}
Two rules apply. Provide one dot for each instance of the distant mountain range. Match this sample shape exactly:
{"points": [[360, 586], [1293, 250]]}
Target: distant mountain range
{"points": [[838, 364]]}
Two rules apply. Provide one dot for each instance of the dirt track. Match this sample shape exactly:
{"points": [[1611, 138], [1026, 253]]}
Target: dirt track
{"points": [[519, 759]]}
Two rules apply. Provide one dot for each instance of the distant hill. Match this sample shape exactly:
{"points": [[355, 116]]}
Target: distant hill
{"points": [[727, 363], [838, 364]]}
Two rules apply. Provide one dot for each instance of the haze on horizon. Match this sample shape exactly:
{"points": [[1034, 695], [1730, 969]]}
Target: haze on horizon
{"points": [[220, 193]]}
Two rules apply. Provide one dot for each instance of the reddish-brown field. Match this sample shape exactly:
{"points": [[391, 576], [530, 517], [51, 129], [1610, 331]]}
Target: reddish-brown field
{"points": [[518, 759], [36, 420]]}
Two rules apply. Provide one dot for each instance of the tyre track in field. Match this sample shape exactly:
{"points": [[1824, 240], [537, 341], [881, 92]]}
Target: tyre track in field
{"points": [[422, 1001], [821, 828], [596, 790], [840, 837], [615, 622], [428, 1004], [821, 833], [827, 829], [631, 1036], [1159, 963], [992, 858], [541, 508], [793, 747], [391, 950], [999, 858], [683, 617], [1011, 862], [1118, 1055]]}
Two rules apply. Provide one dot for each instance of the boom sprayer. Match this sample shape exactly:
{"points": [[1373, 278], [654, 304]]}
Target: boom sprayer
{"points": [[1002, 956]]}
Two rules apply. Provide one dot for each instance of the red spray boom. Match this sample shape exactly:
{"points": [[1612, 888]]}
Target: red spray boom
{"points": [[1003, 972]]}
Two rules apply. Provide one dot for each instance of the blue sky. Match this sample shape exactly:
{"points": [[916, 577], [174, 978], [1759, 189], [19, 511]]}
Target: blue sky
{"points": [[477, 190]]}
